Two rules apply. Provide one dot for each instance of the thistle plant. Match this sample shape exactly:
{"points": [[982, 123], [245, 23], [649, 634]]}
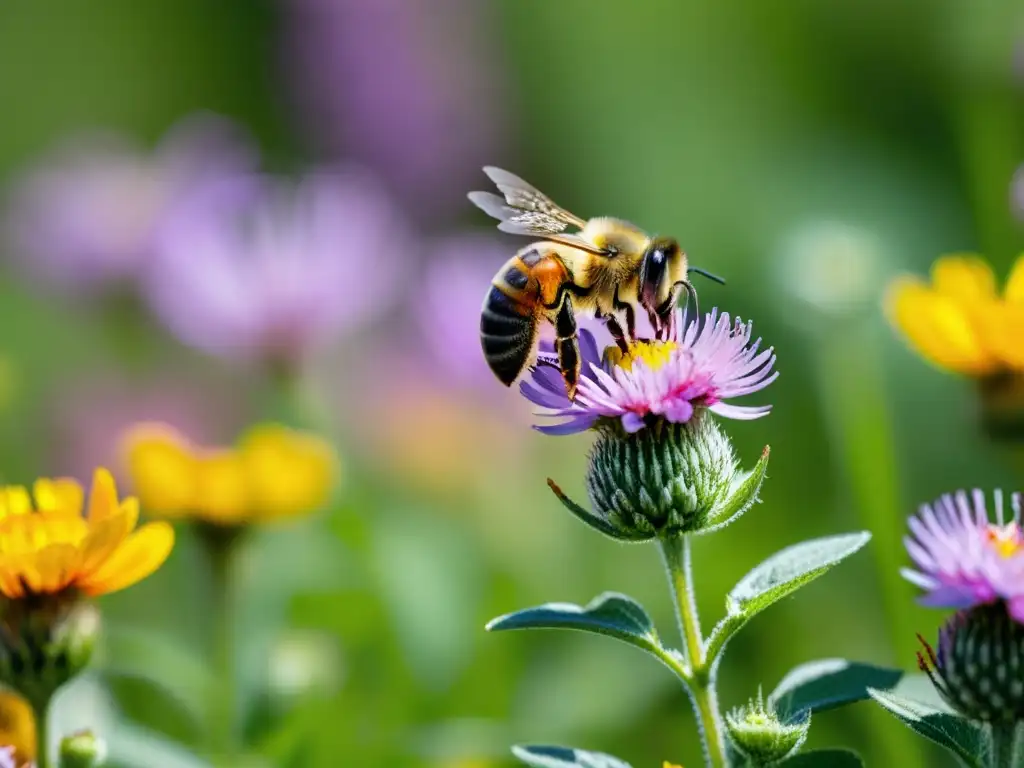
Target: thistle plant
{"points": [[967, 561], [662, 469]]}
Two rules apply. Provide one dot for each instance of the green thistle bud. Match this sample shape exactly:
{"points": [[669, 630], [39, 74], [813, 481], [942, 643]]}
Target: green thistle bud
{"points": [[82, 750], [979, 667], [44, 642], [757, 732], [665, 480]]}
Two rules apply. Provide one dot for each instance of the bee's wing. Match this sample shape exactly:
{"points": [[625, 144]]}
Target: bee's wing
{"points": [[525, 210]]}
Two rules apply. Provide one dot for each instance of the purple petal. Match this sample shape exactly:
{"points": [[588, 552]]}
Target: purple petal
{"points": [[1016, 608], [576, 424], [542, 396], [632, 422]]}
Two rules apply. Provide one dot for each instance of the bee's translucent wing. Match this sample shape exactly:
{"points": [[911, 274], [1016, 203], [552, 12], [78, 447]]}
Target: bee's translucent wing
{"points": [[525, 209]]}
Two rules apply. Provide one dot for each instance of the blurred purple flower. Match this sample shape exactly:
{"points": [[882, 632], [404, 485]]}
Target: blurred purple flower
{"points": [[699, 367], [962, 559], [407, 87], [86, 217], [447, 311], [257, 269]]}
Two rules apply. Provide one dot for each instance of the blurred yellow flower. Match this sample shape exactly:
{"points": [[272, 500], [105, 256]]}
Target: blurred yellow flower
{"points": [[17, 726], [667, 764], [273, 472], [960, 322], [50, 546]]}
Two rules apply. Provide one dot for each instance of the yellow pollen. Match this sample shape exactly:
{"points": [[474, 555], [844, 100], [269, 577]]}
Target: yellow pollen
{"points": [[1007, 540], [654, 353]]}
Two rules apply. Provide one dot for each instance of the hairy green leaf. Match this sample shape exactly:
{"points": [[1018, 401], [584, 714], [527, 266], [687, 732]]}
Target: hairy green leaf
{"points": [[786, 571], [823, 758], [947, 729], [828, 683], [611, 614], [777, 577], [566, 757]]}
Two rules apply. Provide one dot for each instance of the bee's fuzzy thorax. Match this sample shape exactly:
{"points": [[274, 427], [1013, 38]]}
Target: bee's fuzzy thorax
{"points": [[618, 234]]}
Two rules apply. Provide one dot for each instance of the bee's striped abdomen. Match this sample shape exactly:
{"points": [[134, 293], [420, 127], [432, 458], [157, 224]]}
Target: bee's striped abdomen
{"points": [[507, 324], [526, 290]]}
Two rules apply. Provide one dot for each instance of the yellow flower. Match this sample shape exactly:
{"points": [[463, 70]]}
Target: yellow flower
{"points": [[667, 764], [50, 547], [960, 322], [17, 726], [273, 472], [654, 353]]}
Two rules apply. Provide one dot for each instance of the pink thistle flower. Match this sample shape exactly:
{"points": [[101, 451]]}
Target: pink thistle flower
{"points": [[963, 559], [699, 367]]}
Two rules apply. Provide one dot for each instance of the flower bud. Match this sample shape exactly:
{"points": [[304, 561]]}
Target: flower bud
{"points": [[82, 750], [757, 732], [665, 480], [979, 664], [43, 646]]}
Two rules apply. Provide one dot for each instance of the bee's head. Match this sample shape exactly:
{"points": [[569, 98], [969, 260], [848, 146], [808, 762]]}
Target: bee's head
{"points": [[663, 266]]}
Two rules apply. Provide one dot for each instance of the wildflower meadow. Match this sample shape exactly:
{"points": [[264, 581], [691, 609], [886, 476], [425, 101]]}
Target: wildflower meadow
{"points": [[708, 452]]}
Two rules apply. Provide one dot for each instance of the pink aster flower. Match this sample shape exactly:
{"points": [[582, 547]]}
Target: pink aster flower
{"points": [[87, 215], [963, 559], [255, 269], [700, 366]]}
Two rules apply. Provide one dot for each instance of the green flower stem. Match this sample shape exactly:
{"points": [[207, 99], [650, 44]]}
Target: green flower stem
{"points": [[1003, 745], [41, 711], [700, 684], [220, 542], [850, 376]]}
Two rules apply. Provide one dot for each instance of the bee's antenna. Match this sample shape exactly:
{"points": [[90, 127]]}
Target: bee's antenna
{"points": [[708, 275]]}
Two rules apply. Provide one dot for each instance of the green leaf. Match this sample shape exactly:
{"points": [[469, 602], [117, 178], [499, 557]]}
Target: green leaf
{"points": [[823, 758], [828, 683], [743, 495], [594, 521], [565, 757], [786, 571], [777, 577], [611, 614], [947, 729]]}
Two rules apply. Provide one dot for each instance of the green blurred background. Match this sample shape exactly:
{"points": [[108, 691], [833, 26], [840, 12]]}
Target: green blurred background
{"points": [[806, 151]]}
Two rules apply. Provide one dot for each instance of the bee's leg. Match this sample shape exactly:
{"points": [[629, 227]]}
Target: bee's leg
{"points": [[567, 346], [667, 311], [616, 332], [630, 315]]}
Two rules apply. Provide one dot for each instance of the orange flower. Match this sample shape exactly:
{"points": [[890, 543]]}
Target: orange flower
{"points": [[273, 472], [960, 322], [50, 546]]}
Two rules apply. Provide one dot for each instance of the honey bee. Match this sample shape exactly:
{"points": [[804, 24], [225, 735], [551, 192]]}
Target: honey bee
{"points": [[608, 268]]}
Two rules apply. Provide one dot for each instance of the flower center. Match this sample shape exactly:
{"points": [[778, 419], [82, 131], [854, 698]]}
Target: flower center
{"points": [[654, 353], [1007, 540]]}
